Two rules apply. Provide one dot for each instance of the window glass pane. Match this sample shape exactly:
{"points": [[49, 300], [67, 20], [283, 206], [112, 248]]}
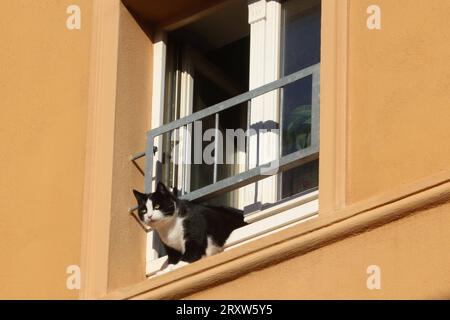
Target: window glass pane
{"points": [[297, 116], [301, 49], [206, 94], [301, 36]]}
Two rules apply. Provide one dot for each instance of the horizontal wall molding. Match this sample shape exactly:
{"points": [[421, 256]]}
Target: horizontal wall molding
{"points": [[295, 241]]}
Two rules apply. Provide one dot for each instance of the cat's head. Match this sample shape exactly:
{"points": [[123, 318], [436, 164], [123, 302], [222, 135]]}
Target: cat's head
{"points": [[156, 207]]}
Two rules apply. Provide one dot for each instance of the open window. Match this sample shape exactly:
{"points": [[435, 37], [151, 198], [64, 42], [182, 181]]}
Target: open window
{"points": [[241, 85]]}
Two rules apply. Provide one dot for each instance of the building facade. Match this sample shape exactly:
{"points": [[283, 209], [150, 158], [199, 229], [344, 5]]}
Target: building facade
{"points": [[362, 214]]}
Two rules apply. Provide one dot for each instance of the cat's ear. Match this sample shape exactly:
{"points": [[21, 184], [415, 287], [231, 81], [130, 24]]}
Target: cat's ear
{"points": [[175, 192], [161, 188], [140, 197]]}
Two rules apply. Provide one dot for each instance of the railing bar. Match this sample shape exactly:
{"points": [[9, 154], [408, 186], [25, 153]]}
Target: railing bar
{"points": [[247, 145], [148, 181], [235, 100], [142, 154], [315, 109], [137, 156], [216, 147], [253, 175], [186, 183], [174, 155]]}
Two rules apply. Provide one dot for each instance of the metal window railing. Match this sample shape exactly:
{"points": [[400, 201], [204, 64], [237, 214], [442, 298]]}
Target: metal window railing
{"points": [[260, 172]]}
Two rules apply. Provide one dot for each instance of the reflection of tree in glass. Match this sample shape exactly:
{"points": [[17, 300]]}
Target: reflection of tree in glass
{"points": [[297, 134]]}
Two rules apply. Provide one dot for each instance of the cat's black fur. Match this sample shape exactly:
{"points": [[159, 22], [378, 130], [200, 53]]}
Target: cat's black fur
{"points": [[199, 222]]}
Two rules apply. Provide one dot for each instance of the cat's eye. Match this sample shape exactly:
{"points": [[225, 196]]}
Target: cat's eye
{"points": [[157, 206]]}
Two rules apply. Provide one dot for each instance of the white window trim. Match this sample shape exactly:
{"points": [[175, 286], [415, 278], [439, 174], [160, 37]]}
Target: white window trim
{"points": [[157, 119], [265, 24], [275, 219], [265, 50]]}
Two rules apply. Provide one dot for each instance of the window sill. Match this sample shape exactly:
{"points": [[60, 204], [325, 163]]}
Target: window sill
{"points": [[293, 241], [275, 219]]}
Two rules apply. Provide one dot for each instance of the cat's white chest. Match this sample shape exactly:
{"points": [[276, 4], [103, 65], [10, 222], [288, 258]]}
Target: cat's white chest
{"points": [[173, 234]]}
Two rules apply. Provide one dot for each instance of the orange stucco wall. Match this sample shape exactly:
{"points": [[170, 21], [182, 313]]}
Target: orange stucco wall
{"points": [[43, 93], [413, 255], [132, 121], [399, 95]]}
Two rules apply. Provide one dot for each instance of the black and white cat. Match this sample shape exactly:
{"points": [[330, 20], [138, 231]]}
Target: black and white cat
{"points": [[189, 231]]}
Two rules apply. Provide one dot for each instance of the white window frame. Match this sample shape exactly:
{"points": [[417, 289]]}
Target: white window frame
{"points": [[264, 18], [265, 47]]}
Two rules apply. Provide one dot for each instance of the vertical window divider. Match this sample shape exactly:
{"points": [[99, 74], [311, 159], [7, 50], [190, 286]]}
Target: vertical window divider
{"points": [[265, 43]]}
